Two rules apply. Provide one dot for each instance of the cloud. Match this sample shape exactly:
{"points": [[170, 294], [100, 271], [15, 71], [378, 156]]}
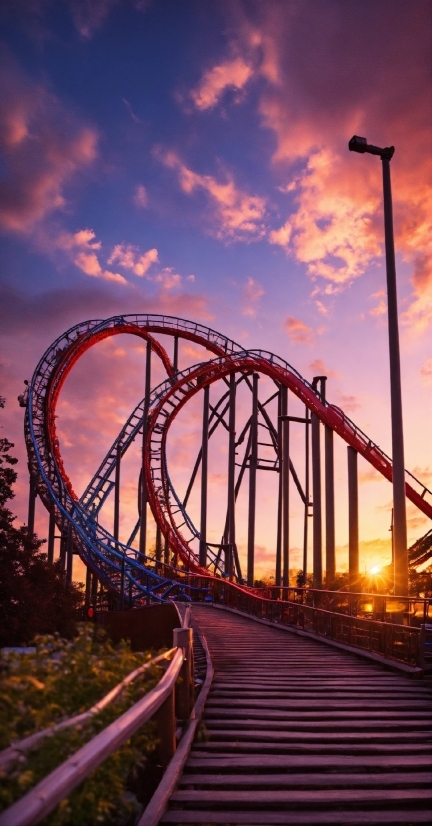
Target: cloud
{"points": [[252, 292], [332, 231], [233, 74], [298, 331], [319, 369], [312, 98], [140, 197], [44, 146], [128, 256], [239, 215], [82, 249]]}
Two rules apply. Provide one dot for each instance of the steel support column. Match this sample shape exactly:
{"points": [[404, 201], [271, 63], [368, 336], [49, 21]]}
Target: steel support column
{"points": [[143, 526], [204, 478], [69, 555], [158, 544], [229, 558], [316, 494], [306, 510], [166, 551], [278, 571], [117, 520], [329, 506], [253, 461], [175, 358], [117, 493], [285, 487], [51, 537], [353, 521]]}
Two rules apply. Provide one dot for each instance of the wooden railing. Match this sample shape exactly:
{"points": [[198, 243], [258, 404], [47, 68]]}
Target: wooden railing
{"points": [[169, 703], [310, 610]]}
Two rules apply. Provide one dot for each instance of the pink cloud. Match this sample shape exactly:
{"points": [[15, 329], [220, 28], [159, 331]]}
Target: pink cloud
{"points": [[239, 215], [128, 256], [82, 248], [44, 147], [251, 294], [232, 74], [298, 331]]}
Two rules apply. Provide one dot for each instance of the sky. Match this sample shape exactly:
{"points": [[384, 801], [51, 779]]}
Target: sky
{"points": [[191, 158]]}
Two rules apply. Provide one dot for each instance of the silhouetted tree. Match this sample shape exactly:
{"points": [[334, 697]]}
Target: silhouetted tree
{"points": [[34, 597]]}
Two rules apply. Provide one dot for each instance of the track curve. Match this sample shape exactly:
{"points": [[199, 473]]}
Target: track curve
{"points": [[95, 544]]}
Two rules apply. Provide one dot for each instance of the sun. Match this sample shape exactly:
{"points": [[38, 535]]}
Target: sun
{"points": [[375, 570]]}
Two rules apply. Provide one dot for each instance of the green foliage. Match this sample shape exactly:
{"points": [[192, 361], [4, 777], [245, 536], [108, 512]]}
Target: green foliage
{"points": [[59, 679], [34, 597]]}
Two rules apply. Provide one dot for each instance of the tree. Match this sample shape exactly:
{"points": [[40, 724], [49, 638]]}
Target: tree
{"points": [[34, 597]]}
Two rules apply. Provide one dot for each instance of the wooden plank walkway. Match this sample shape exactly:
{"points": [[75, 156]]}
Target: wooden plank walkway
{"points": [[297, 732]]}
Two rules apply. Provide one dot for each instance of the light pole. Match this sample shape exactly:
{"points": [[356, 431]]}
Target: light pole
{"points": [[361, 145]]}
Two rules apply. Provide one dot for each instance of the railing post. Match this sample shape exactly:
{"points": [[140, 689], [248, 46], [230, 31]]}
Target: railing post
{"points": [[183, 638]]}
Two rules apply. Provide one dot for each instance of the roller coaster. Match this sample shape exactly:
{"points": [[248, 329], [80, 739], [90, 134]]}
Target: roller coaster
{"points": [[129, 569]]}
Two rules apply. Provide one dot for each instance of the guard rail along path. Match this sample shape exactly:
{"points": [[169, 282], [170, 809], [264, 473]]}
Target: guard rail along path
{"points": [[170, 703]]}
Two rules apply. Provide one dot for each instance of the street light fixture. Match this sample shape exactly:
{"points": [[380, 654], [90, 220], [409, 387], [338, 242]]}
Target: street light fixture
{"points": [[361, 145]]}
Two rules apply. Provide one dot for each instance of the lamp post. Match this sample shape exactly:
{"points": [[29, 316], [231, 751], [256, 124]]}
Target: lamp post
{"points": [[361, 145]]}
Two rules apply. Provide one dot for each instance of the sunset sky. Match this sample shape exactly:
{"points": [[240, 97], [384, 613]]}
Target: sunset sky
{"points": [[191, 157]]}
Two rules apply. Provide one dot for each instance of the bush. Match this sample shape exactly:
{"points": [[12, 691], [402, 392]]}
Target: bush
{"points": [[59, 679]]}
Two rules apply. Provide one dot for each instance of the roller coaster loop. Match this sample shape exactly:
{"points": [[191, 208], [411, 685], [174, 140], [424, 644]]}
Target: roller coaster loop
{"points": [[119, 564]]}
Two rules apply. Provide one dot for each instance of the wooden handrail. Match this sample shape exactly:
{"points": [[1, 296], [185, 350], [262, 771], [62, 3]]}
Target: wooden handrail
{"points": [[12, 753], [47, 794]]}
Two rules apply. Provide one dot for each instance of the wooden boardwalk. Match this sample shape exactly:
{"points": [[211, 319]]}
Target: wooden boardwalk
{"points": [[298, 732]]}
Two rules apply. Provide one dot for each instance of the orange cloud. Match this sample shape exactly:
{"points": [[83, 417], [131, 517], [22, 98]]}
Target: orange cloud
{"points": [[238, 214], [232, 74], [44, 147], [332, 231], [298, 331]]}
